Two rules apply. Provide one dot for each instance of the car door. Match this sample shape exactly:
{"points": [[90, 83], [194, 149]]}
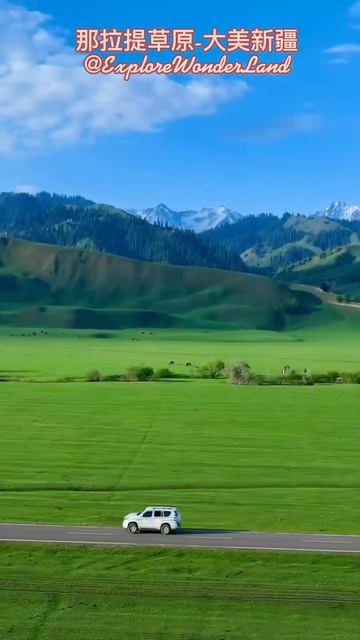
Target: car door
{"points": [[157, 519], [146, 520]]}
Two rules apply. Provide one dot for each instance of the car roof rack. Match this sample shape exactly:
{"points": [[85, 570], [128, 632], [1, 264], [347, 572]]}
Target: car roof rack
{"points": [[160, 507]]}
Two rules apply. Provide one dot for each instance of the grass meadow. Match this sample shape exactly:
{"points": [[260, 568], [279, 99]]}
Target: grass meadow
{"points": [[105, 594], [250, 458], [257, 458], [61, 353]]}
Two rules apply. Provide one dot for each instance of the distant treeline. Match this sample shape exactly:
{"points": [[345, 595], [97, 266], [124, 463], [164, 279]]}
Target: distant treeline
{"points": [[76, 222]]}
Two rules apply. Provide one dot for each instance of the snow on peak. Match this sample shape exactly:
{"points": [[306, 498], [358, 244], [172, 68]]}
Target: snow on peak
{"points": [[339, 210], [201, 220]]}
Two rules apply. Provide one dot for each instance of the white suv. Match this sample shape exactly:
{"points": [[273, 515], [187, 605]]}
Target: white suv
{"points": [[163, 519]]}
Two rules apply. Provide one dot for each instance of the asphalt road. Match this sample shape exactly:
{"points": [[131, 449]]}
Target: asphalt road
{"points": [[189, 538]]}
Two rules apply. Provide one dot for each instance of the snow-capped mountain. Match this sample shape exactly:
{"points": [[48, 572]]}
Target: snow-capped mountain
{"points": [[201, 220], [341, 211]]}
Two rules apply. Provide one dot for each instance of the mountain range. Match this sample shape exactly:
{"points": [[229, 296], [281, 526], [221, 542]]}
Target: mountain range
{"points": [[340, 211], [265, 244], [198, 221], [98, 266], [269, 244], [212, 218], [76, 221]]}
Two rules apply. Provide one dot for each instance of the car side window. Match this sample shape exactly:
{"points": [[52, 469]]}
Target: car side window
{"points": [[158, 514], [167, 514], [147, 514]]}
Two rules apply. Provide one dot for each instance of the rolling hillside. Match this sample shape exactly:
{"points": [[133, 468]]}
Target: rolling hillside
{"points": [[45, 285], [338, 271], [269, 244]]}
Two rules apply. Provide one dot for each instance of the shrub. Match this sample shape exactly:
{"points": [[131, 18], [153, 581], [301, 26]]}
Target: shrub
{"points": [[140, 374], [295, 378], [332, 376], [164, 373], [212, 370], [323, 378], [353, 378], [292, 377], [238, 373], [93, 376]]}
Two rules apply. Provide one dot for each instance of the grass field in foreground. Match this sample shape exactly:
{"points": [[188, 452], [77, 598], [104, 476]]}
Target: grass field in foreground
{"points": [[68, 353], [49, 592], [257, 458]]}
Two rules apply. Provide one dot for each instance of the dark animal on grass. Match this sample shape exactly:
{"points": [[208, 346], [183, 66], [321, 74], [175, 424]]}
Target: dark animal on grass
{"points": [[188, 364], [171, 362]]}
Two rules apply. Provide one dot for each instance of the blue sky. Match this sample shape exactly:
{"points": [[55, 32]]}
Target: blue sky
{"points": [[254, 144]]}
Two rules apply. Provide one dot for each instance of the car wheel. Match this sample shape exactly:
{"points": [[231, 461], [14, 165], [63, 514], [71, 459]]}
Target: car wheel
{"points": [[165, 529], [132, 527]]}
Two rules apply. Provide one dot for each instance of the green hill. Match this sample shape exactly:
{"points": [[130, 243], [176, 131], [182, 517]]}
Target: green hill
{"points": [[338, 271], [45, 285], [269, 244]]}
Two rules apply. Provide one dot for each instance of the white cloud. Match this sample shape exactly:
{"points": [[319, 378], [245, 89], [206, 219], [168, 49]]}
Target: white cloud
{"points": [[47, 98], [26, 188], [343, 53], [339, 60], [349, 48], [282, 128]]}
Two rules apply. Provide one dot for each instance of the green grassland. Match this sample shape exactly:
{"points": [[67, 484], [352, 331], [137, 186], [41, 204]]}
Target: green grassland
{"points": [[106, 594], [254, 458], [249, 458], [34, 354]]}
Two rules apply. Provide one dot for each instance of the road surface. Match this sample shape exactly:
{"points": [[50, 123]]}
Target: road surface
{"points": [[189, 538]]}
